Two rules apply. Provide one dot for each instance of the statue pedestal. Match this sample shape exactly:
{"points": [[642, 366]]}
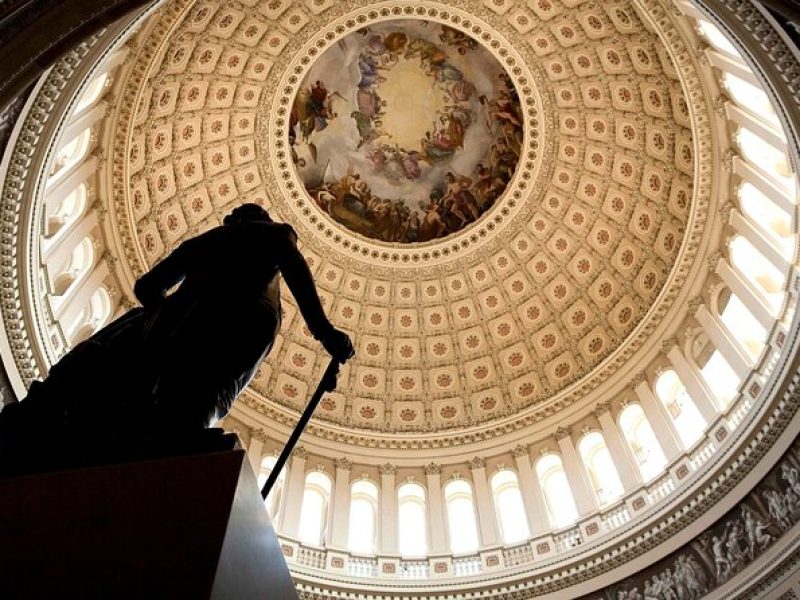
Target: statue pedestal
{"points": [[183, 527]]}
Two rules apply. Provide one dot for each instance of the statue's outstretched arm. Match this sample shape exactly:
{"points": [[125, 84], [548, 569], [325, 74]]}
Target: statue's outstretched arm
{"points": [[298, 277], [152, 287]]}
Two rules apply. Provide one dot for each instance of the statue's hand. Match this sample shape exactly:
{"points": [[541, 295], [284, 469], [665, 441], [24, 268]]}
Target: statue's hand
{"points": [[339, 345]]}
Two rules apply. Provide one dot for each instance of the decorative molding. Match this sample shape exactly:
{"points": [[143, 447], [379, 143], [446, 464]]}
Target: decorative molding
{"points": [[387, 469], [433, 469], [601, 408], [519, 451], [562, 433], [259, 434], [343, 464], [477, 462]]}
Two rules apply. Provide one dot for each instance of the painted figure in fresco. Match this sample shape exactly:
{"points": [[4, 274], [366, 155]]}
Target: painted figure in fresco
{"points": [[458, 197], [757, 538], [791, 499], [733, 536], [778, 510], [692, 581], [432, 224], [429, 53], [503, 160], [369, 68], [790, 475], [457, 39], [502, 109], [668, 591], [720, 559], [652, 589], [311, 112]]}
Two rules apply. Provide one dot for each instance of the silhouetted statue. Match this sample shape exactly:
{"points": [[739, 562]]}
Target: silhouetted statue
{"points": [[171, 368]]}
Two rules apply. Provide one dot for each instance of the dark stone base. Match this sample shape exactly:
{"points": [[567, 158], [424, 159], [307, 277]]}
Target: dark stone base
{"points": [[184, 527]]}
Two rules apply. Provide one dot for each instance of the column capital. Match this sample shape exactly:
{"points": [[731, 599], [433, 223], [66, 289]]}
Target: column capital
{"points": [[669, 343], [477, 463], [694, 304], [519, 451], [300, 452], [387, 469], [561, 433], [726, 209], [727, 160], [638, 379], [712, 260], [259, 434], [602, 408], [344, 464], [433, 469]]}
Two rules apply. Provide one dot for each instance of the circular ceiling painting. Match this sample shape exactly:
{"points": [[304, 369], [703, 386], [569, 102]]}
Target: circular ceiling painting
{"points": [[406, 131]]}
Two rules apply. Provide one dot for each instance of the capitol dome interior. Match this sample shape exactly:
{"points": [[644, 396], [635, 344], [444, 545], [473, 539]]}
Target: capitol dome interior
{"points": [[562, 234]]}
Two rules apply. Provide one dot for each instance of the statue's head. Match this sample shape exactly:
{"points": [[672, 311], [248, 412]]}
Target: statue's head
{"points": [[247, 213]]}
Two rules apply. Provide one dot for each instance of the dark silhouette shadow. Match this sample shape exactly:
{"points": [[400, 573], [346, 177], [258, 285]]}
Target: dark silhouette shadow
{"points": [[156, 378]]}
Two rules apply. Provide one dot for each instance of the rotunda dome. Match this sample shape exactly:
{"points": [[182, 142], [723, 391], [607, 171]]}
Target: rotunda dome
{"points": [[561, 234]]}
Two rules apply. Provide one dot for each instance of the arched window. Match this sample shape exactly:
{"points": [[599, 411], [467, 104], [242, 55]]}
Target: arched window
{"points": [[689, 423], [716, 38], [412, 524], [68, 211], [461, 520], [775, 222], [92, 93], [600, 466], [273, 500], [71, 153], [557, 493], [757, 269], [509, 507], [771, 160], [741, 324], [363, 517], [314, 511], [750, 97], [642, 442]]}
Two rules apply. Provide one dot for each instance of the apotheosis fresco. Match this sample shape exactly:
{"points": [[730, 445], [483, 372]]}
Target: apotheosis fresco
{"points": [[394, 164]]}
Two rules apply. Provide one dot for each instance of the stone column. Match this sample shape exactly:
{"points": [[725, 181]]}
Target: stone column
{"points": [[483, 501], [730, 348], [341, 504], [755, 123], [693, 382], [660, 421], [764, 184], [80, 294], [624, 461], [575, 470], [255, 449], [56, 192], [532, 495], [58, 253], [761, 242], [751, 297], [88, 118], [293, 500], [388, 514], [436, 517]]}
